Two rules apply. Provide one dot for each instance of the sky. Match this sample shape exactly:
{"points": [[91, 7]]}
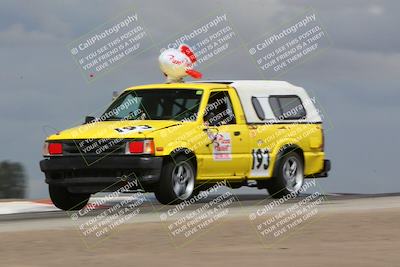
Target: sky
{"points": [[355, 79]]}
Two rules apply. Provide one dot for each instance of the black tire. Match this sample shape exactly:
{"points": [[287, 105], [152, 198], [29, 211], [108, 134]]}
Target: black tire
{"points": [[65, 200], [165, 192], [279, 185]]}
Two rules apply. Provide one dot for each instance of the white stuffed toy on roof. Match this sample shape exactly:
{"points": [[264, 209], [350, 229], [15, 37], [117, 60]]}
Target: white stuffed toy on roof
{"points": [[178, 63]]}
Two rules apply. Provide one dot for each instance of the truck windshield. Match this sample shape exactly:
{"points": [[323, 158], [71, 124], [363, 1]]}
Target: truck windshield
{"points": [[155, 104]]}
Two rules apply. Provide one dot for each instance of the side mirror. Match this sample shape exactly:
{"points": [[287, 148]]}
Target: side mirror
{"points": [[115, 94], [89, 119], [211, 135]]}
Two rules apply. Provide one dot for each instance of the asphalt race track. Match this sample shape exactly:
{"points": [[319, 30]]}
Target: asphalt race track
{"points": [[347, 229], [250, 201]]}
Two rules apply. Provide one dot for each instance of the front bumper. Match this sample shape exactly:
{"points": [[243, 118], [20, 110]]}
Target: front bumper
{"points": [[93, 174]]}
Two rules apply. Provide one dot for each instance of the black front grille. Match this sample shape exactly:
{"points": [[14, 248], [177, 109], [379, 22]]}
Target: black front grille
{"points": [[94, 147]]}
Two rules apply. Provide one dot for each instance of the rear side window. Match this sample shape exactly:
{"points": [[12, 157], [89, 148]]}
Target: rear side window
{"points": [[287, 107], [258, 108]]}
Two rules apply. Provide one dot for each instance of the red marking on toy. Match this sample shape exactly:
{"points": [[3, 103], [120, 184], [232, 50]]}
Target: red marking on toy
{"points": [[195, 74], [189, 53]]}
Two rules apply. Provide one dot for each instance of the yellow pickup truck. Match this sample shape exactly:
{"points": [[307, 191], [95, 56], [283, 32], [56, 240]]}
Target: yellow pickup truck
{"points": [[177, 139]]}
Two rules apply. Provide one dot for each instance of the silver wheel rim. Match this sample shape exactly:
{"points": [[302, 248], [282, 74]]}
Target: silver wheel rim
{"points": [[293, 174], [183, 180]]}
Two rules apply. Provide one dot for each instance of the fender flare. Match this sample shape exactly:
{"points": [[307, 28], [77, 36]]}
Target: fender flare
{"points": [[282, 151]]}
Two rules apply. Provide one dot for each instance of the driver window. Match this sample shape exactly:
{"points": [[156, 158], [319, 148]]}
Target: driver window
{"points": [[219, 110]]}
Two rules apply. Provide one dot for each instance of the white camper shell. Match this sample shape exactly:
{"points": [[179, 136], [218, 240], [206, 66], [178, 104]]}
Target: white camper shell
{"points": [[252, 92]]}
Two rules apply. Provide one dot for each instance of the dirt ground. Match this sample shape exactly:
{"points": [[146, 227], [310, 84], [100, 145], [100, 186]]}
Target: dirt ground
{"points": [[362, 238]]}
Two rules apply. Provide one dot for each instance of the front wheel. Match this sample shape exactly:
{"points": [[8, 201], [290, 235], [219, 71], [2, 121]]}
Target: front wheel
{"points": [[288, 177], [65, 200], [177, 181]]}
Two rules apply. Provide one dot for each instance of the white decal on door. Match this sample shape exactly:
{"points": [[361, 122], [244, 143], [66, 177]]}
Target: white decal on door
{"points": [[222, 147]]}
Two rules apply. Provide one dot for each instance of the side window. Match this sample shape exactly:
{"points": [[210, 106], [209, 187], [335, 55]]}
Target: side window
{"points": [[287, 107], [258, 108], [219, 110], [274, 103]]}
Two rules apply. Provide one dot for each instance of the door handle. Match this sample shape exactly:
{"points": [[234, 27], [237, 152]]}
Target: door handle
{"points": [[236, 133], [282, 127]]}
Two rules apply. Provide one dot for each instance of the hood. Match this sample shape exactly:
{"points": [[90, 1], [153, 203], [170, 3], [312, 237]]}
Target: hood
{"points": [[114, 129]]}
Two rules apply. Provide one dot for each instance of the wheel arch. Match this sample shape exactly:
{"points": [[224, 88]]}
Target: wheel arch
{"points": [[184, 151], [285, 149]]}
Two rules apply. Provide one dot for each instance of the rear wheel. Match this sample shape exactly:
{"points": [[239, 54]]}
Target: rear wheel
{"points": [[177, 181], [288, 177], [65, 200]]}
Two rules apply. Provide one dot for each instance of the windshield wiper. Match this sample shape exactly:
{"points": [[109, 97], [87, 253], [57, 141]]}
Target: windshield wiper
{"points": [[113, 119]]}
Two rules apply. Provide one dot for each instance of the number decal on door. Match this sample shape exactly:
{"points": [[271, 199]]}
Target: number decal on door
{"points": [[260, 162]]}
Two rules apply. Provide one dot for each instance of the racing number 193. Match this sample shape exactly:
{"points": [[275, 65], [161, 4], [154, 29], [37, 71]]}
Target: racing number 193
{"points": [[260, 159]]}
